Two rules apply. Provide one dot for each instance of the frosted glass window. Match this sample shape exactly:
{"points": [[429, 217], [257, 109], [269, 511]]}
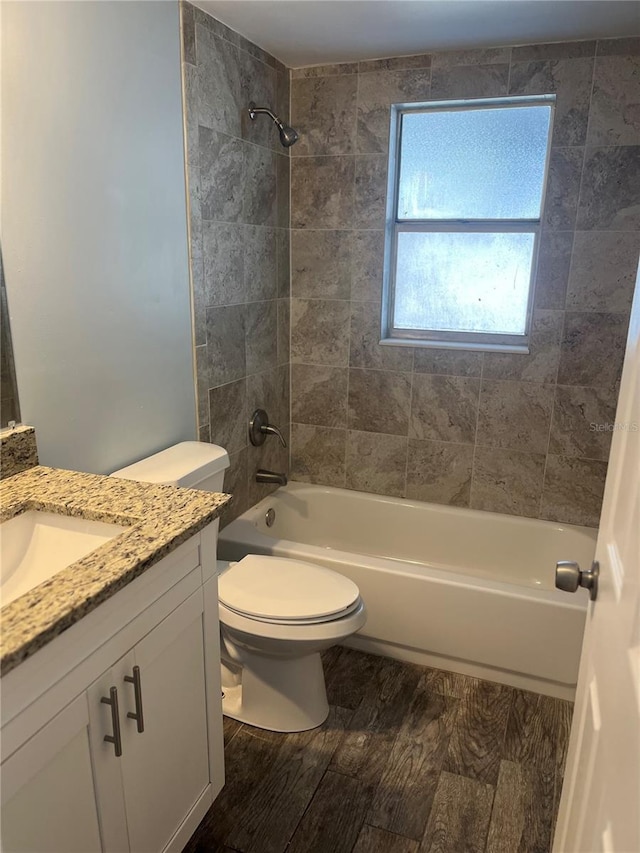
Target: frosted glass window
{"points": [[463, 217], [463, 282], [473, 163]]}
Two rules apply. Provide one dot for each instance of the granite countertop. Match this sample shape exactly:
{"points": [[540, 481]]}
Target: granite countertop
{"points": [[160, 518]]}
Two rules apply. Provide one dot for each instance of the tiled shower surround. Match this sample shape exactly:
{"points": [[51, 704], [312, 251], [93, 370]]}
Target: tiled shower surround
{"points": [[493, 431], [508, 433], [238, 185]]}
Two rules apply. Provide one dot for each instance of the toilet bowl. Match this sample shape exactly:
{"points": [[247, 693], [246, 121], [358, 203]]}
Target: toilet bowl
{"points": [[276, 614]]}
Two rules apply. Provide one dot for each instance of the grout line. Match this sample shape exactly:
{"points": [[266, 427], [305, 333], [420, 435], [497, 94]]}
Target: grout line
{"points": [[596, 387], [330, 299], [349, 367], [390, 435], [591, 230], [381, 154], [346, 443], [351, 266], [406, 458], [356, 113], [271, 149], [555, 395], [546, 454], [378, 154], [475, 437], [242, 224], [594, 59], [319, 426], [350, 229], [584, 156], [564, 312]]}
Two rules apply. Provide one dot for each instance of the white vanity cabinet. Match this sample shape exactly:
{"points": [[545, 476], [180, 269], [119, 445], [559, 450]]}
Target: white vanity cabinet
{"points": [[64, 788]]}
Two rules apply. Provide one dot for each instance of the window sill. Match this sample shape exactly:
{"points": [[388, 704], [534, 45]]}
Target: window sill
{"points": [[523, 349]]}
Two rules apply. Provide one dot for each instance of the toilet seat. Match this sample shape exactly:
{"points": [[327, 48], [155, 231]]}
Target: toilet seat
{"points": [[314, 620], [331, 630], [282, 591]]}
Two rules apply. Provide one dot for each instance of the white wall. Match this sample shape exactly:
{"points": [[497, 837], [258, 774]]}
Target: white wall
{"points": [[94, 228]]}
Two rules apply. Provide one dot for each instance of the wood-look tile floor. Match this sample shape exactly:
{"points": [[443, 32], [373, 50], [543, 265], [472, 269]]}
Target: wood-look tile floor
{"points": [[410, 760]]}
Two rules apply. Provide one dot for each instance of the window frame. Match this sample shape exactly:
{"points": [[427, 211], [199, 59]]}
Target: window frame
{"points": [[482, 341]]}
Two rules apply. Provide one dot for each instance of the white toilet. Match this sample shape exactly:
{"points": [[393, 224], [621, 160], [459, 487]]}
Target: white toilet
{"points": [[276, 614]]}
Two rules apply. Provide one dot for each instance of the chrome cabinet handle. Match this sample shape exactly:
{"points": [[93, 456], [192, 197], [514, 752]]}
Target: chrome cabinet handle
{"points": [[115, 738], [569, 577], [137, 692]]}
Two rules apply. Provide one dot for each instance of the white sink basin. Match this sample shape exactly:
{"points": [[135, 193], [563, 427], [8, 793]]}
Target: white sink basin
{"points": [[36, 545]]}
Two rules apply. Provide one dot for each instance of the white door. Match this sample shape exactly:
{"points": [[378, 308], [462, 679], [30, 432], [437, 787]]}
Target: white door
{"points": [[600, 804]]}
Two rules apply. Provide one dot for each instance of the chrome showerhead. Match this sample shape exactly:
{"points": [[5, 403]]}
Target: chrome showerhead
{"points": [[288, 136]]}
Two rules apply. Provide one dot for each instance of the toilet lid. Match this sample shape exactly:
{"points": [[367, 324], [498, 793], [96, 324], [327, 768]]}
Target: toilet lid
{"points": [[281, 589]]}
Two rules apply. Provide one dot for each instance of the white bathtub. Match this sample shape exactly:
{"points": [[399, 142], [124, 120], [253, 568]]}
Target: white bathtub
{"points": [[463, 590]]}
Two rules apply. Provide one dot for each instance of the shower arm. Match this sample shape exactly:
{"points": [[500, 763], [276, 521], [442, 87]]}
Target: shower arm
{"points": [[254, 111]]}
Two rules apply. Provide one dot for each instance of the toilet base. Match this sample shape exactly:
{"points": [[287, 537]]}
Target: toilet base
{"points": [[281, 695]]}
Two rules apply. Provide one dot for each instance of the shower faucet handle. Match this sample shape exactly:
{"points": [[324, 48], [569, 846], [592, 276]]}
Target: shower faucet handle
{"points": [[260, 428], [270, 429]]}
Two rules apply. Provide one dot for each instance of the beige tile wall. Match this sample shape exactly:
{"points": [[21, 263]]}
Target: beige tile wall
{"points": [[509, 433]]}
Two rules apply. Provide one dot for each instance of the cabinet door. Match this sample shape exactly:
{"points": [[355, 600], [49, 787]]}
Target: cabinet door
{"points": [[105, 720], [48, 800], [165, 768]]}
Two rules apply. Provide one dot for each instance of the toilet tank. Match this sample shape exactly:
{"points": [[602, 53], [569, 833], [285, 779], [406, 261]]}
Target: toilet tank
{"points": [[190, 464]]}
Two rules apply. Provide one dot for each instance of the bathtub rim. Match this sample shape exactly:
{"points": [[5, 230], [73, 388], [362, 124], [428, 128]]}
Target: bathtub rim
{"points": [[294, 486]]}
